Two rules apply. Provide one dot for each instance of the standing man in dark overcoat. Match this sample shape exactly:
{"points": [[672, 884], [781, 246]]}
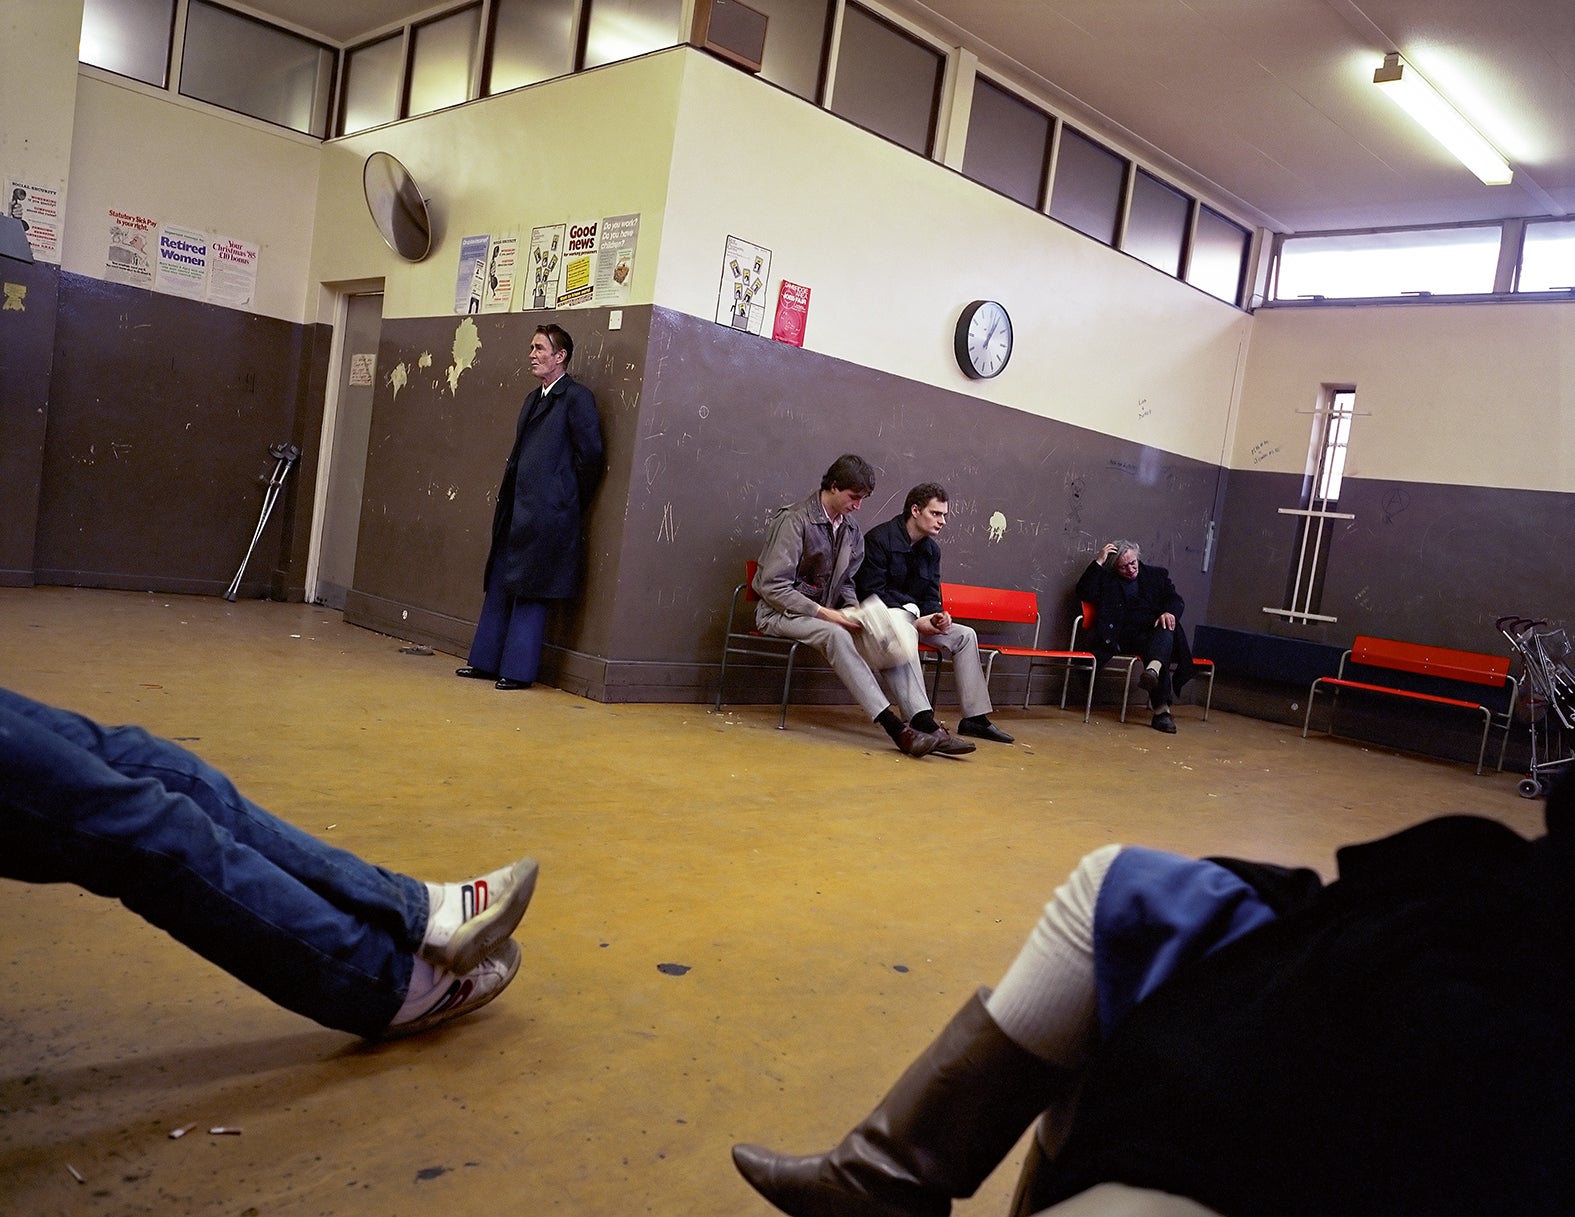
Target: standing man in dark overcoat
{"points": [[537, 547]]}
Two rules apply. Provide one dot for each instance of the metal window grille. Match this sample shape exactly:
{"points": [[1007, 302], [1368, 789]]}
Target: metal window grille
{"points": [[1318, 509]]}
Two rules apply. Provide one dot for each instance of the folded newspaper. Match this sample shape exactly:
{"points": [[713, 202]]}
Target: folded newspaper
{"points": [[879, 639]]}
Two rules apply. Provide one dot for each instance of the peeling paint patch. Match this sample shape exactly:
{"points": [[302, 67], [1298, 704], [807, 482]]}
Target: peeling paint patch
{"points": [[425, 360], [15, 298], [399, 378], [997, 525], [467, 342], [672, 969]]}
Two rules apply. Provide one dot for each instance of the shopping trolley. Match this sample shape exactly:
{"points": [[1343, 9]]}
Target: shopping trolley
{"points": [[1550, 706]]}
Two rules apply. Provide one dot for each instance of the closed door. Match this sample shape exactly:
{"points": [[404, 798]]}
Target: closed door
{"points": [[352, 427]]}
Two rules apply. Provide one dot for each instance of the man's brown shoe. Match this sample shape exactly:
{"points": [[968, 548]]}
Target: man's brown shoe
{"points": [[948, 744], [916, 743]]}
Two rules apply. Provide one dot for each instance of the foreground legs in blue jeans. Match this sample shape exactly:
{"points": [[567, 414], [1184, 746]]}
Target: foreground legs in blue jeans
{"points": [[136, 818]]}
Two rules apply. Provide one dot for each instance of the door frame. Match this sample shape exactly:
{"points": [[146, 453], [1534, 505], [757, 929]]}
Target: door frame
{"points": [[333, 300]]}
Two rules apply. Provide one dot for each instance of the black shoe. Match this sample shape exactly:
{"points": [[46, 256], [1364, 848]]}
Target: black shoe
{"points": [[983, 728], [1163, 722], [508, 685], [475, 674]]}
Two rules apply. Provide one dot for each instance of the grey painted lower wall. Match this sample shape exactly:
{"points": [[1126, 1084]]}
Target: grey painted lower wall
{"points": [[1426, 563], [733, 426], [27, 349], [138, 431], [708, 430], [137, 427], [439, 438], [1434, 564]]}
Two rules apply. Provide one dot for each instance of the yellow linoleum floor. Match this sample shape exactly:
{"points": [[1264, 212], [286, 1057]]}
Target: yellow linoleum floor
{"points": [[832, 901]]}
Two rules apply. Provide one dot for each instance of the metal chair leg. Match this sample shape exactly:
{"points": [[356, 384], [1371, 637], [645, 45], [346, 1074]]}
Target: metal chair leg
{"points": [[787, 687]]}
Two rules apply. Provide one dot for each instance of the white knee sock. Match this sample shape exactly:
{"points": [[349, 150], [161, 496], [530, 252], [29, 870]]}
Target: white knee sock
{"points": [[1046, 1001]]}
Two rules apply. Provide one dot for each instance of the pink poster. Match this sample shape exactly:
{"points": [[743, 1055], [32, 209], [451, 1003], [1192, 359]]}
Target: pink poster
{"points": [[792, 313]]}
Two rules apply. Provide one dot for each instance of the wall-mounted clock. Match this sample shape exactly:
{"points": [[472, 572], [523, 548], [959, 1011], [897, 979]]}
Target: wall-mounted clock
{"points": [[984, 339]]}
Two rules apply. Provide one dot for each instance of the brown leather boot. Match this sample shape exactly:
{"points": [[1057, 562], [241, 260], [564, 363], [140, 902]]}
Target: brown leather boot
{"points": [[946, 1124]]}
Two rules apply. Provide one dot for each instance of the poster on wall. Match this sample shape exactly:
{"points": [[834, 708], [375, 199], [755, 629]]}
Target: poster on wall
{"points": [[581, 263], [792, 313], [501, 262], [546, 262], [182, 266], [38, 207], [578, 288], [472, 274], [131, 247], [615, 259], [741, 297], [232, 271]]}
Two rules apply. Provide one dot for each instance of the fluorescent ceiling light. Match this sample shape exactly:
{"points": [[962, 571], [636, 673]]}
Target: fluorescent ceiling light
{"points": [[1441, 120]]}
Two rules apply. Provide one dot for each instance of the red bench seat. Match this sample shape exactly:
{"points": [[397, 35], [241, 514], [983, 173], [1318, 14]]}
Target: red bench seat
{"points": [[1442, 663]]}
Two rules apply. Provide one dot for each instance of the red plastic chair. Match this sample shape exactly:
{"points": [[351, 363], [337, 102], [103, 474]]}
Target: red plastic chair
{"points": [[741, 638]]}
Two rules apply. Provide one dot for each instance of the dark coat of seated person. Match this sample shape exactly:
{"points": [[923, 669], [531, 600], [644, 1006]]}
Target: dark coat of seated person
{"points": [[1242, 1036], [1137, 611]]}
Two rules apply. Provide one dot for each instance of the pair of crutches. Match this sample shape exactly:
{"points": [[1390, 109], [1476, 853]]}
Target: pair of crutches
{"points": [[284, 455]]}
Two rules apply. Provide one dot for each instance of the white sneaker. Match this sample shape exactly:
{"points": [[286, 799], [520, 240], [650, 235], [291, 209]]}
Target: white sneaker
{"points": [[466, 920], [449, 995]]}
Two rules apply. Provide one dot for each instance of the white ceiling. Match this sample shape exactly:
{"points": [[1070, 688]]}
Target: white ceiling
{"points": [[1265, 104]]}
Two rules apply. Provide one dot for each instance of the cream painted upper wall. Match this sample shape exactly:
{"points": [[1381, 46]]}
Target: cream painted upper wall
{"points": [[38, 88], [893, 246], [1464, 394], [581, 147], [177, 164]]}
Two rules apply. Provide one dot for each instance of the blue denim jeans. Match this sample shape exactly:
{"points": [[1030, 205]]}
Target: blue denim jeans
{"points": [[136, 818]]}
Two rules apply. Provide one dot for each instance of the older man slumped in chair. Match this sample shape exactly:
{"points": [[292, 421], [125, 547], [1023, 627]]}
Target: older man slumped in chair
{"points": [[1138, 612]]}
